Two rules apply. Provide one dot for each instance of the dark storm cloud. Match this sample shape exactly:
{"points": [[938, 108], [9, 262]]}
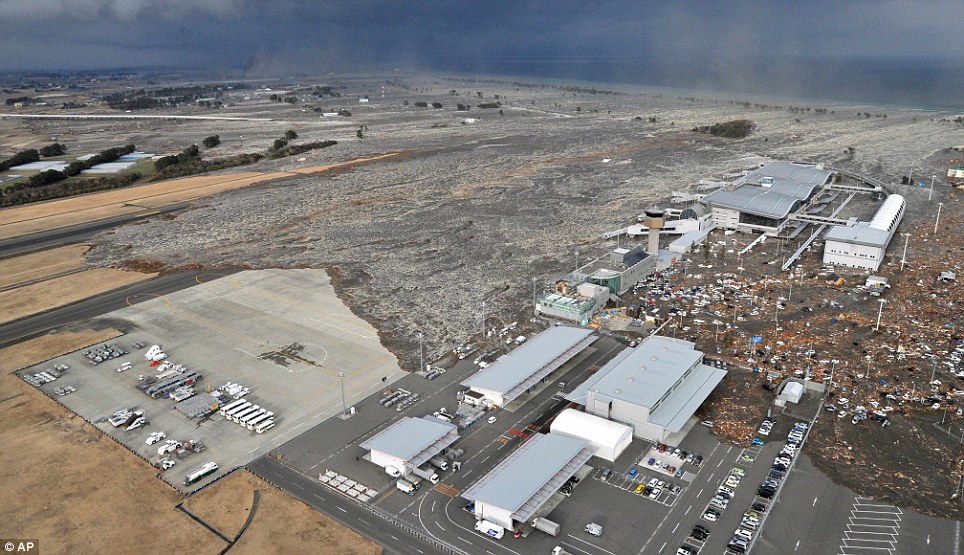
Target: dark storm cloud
{"points": [[777, 46]]}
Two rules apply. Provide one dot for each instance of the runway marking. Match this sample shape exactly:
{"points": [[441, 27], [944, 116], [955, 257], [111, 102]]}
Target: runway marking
{"points": [[858, 539], [343, 510]]}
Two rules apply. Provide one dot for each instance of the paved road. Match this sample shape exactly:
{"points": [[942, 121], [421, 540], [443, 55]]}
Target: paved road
{"points": [[39, 324], [814, 515], [74, 234], [347, 512]]}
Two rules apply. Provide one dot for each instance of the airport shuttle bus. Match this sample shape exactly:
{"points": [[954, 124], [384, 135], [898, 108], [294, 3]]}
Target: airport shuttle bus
{"points": [[224, 409], [253, 423], [236, 410], [244, 421], [246, 412], [204, 470], [265, 426]]}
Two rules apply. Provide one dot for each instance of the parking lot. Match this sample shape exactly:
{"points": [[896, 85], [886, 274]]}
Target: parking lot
{"points": [[283, 335]]}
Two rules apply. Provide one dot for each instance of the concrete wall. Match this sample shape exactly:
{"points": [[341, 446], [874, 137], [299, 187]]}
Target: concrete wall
{"points": [[851, 255], [634, 416], [496, 515], [384, 459]]}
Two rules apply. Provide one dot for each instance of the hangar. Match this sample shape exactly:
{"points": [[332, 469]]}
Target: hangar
{"points": [[521, 484], [515, 373], [608, 438], [410, 443], [655, 387]]}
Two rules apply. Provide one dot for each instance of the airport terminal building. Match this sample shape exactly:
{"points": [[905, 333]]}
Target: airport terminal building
{"points": [[653, 388], [763, 200]]}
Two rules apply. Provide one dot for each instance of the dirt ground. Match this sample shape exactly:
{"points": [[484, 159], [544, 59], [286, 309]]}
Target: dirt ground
{"points": [[281, 524], [21, 269], [45, 295], [72, 487]]}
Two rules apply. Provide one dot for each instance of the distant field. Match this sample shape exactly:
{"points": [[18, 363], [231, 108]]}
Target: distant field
{"points": [[44, 216]]}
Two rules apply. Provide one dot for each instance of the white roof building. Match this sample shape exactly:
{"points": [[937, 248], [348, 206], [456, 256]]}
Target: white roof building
{"points": [[410, 442], [608, 438], [515, 373], [521, 484], [864, 244], [655, 387]]}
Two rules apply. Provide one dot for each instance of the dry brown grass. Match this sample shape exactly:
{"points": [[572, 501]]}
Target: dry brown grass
{"points": [[282, 524], [44, 216], [21, 269], [45, 295], [46, 347], [70, 486]]}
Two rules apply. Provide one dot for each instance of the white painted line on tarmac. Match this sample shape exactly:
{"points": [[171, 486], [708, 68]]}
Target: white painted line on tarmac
{"points": [[590, 544], [394, 538], [365, 522], [469, 472], [465, 540], [796, 546], [673, 532], [439, 525], [340, 509], [687, 510], [814, 502], [663, 547]]}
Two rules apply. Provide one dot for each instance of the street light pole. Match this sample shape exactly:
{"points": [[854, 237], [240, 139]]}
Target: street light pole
{"points": [[421, 352], [344, 405], [904, 257], [938, 220], [879, 314], [930, 194], [483, 320]]}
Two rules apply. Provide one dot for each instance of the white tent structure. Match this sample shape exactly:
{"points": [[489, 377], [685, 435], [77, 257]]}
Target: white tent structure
{"points": [[792, 392], [607, 438]]}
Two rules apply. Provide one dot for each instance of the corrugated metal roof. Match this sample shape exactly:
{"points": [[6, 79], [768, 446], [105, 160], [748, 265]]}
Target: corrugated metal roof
{"points": [[860, 234], [676, 409], [415, 440], [789, 183], [754, 200], [643, 375], [532, 358], [525, 480]]}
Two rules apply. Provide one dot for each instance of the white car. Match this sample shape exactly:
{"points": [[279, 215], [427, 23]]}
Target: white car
{"points": [[165, 463], [491, 420], [155, 437], [169, 447]]}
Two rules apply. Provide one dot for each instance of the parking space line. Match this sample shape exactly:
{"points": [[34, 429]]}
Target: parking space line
{"points": [[590, 544]]}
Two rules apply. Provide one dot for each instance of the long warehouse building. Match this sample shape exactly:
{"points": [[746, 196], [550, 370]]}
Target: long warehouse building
{"points": [[515, 373], [515, 490]]}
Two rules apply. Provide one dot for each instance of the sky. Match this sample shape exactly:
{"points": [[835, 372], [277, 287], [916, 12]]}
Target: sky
{"points": [[876, 50]]}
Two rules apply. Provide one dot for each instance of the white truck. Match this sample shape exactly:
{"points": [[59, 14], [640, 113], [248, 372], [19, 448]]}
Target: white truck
{"points": [[547, 526], [490, 529], [426, 474], [439, 463], [405, 486]]}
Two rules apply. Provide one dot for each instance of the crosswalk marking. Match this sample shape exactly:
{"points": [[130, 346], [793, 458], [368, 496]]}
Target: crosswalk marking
{"points": [[872, 528]]}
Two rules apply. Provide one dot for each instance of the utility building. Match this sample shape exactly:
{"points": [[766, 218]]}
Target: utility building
{"points": [[410, 442], [515, 373], [608, 438], [864, 244], [654, 388], [619, 270], [520, 485]]}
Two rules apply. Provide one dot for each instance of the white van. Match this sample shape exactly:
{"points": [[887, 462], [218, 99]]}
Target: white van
{"points": [[490, 529]]}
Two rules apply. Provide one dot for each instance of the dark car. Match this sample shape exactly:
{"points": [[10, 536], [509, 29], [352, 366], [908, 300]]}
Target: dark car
{"points": [[759, 507]]}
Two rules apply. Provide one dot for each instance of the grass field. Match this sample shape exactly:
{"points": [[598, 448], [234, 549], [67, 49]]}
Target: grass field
{"points": [[45, 295], [39, 265]]}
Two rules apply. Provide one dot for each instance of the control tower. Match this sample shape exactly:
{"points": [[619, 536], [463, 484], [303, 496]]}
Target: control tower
{"points": [[653, 219]]}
